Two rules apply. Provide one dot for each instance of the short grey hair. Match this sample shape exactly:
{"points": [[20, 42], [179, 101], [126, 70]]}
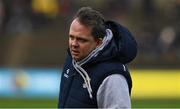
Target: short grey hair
{"points": [[94, 19]]}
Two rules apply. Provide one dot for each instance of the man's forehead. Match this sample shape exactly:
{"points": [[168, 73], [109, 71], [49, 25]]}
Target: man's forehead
{"points": [[79, 29], [76, 24]]}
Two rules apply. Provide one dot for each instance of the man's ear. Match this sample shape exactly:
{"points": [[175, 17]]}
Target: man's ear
{"points": [[99, 41]]}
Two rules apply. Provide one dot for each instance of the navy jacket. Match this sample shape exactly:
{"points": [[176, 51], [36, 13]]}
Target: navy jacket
{"points": [[121, 50]]}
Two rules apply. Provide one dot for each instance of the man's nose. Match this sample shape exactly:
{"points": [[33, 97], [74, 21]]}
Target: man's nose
{"points": [[74, 43]]}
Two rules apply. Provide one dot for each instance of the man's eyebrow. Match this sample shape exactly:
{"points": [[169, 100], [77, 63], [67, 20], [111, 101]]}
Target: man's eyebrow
{"points": [[80, 38]]}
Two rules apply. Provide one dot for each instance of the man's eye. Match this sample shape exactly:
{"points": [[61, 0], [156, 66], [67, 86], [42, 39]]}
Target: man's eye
{"points": [[82, 40], [71, 37]]}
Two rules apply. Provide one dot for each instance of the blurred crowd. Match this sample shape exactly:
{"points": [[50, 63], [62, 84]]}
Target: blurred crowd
{"points": [[154, 23], [24, 15]]}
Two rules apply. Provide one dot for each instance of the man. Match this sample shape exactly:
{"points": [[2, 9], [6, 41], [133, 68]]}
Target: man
{"points": [[95, 74]]}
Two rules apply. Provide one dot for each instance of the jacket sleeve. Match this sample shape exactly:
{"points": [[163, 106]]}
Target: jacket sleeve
{"points": [[114, 93]]}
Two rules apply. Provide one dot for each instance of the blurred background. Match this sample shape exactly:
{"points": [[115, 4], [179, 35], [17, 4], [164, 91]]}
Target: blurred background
{"points": [[34, 39]]}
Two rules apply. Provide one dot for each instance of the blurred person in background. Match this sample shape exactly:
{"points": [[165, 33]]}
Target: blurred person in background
{"points": [[95, 73], [16, 17], [1, 15]]}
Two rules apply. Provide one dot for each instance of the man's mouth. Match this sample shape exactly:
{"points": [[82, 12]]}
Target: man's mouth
{"points": [[74, 52]]}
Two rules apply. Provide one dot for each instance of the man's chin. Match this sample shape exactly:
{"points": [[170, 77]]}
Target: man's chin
{"points": [[77, 58]]}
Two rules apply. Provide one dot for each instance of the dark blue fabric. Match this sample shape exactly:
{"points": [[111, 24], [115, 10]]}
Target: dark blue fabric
{"points": [[120, 51]]}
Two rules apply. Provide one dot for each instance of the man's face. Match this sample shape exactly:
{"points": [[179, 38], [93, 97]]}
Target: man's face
{"points": [[81, 42]]}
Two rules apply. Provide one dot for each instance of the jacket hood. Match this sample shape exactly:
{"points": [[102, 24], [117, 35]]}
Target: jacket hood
{"points": [[122, 48]]}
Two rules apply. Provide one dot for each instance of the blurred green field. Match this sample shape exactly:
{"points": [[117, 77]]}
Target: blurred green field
{"points": [[52, 103], [28, 103], [156, 103]]}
